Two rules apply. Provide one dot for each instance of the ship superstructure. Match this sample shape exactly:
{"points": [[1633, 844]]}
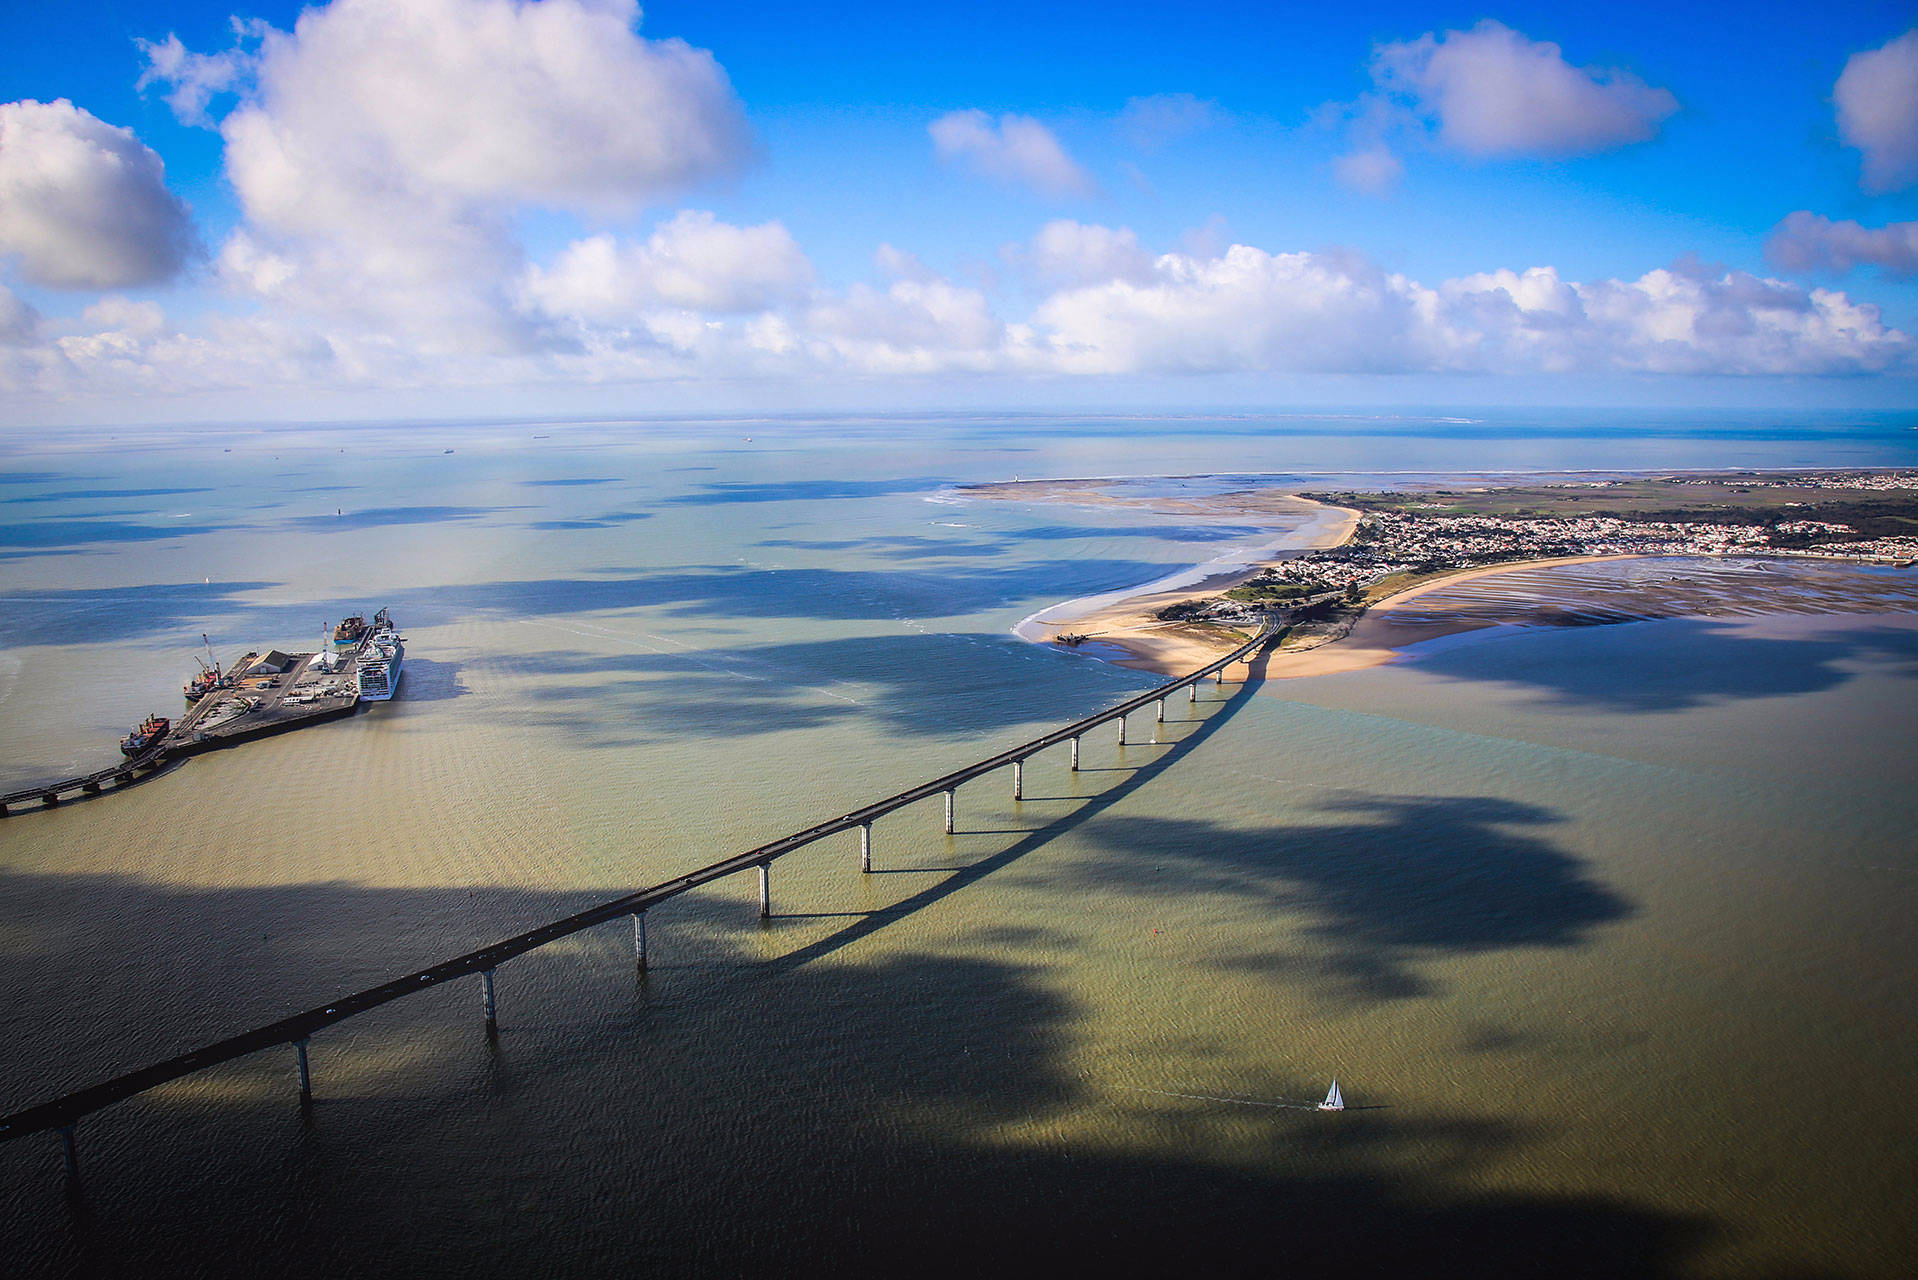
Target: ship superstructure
{"points": [[378, 670]]}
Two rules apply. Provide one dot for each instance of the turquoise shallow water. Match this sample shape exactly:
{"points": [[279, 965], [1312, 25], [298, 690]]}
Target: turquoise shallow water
{"points": [[1604, 931]]}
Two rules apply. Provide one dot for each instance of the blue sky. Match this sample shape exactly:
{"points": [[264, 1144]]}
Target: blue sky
{"points": [[387, 206]]}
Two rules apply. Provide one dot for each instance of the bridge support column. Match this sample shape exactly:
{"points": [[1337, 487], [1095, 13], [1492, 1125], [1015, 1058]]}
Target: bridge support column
{"points": [[950, 803], [1218, 677], [1075, 754], [492, 1004], [1161, 718], [1122, 731], [1192, 692], [765, 890], [865, 847], [1018, 779], [639, 940], [306, 1073], [72, 1156]]}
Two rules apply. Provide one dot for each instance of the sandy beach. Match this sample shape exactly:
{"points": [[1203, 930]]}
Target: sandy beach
{"points": [[1127, 630]]}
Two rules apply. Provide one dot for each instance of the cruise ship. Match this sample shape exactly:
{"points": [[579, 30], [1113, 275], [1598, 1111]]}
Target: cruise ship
{"points": [[380, 658]]}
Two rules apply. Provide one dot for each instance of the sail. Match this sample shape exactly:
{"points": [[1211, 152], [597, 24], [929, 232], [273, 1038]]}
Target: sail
{"points": [[1334, 1100]]}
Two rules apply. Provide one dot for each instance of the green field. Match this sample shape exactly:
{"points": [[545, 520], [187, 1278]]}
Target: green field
{"points": [[1704, 500]]}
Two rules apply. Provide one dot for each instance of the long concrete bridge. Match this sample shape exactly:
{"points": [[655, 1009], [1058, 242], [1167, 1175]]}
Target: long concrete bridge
{"points": [[60, 1115]]}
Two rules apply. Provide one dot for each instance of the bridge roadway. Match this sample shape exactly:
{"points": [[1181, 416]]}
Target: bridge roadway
{"points": [[61, 1113], [122, 774]]}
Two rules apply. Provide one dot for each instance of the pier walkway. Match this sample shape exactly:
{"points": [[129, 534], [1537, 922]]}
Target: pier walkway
{"points": [[62, 1113]]}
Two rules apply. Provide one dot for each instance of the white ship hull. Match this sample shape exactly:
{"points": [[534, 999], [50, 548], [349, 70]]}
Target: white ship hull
{"points": [[379, 666]]}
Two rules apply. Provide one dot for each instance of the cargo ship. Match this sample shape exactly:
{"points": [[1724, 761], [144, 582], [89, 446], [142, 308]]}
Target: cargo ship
{"points": [[146, 737]]}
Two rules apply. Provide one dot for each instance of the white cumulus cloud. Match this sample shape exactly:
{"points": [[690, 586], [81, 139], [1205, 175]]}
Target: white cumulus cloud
{"points": [[694, 261], [1495, 92], [84, 204], [382, 149], [196, 78], [1374, 169], [1013, 149], [496, 102], [1877, 101], [1804, 241], [1247, 310], [1075, 253]]}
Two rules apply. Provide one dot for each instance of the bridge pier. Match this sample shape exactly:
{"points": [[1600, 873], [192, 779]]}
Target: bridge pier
{"points": [[1192, 692], [1075, 753], [1218, 677], [1122, 731], [765, 890], [492, 1005], [950, 794], [72, 1156], [1161, 716], [306, 1073], [639, 940], [865, 848], [1018, 779]]}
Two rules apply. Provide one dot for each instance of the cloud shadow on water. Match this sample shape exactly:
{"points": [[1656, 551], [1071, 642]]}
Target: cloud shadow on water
{"points": [[43, 535], [383, 517], [916, 683], [722, 493], [1404, 880], [805, 593], [1696, 662], [111, 614], [730, 1118], [853, 1106]]}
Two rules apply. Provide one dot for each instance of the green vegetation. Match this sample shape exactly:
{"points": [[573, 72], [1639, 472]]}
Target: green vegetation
{"points": [[1728, 500], [1257, 592]]}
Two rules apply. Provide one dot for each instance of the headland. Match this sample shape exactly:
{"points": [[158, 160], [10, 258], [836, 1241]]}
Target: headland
{"points": [[1340, 581]]}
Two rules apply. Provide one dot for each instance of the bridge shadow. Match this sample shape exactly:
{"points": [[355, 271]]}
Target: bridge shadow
{"points": [[1034, 838]]}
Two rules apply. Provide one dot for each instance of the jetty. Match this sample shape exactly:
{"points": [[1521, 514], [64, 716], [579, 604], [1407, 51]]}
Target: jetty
{"points": [[263, 694], [61, 1115]]}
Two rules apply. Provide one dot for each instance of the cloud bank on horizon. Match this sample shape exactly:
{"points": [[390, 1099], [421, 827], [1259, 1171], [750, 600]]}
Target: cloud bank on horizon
{"points": [[523, 193]]}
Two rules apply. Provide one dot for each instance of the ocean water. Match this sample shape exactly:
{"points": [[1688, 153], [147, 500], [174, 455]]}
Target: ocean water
{"points": [[1604, 930]]}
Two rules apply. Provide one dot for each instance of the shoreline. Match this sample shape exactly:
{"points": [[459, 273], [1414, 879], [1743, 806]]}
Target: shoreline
{"points": [[1123, 627], [1366, 643]]}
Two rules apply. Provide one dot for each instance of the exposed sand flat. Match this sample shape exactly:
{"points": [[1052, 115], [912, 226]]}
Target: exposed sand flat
{"points": [[1383, 630]]}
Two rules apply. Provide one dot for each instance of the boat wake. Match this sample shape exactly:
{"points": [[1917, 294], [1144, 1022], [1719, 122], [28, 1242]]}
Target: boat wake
{"points": [[1282, 1105]]}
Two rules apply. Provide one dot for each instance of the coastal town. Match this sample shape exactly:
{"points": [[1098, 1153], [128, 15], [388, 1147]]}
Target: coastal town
{"points": [[1396, 543]]}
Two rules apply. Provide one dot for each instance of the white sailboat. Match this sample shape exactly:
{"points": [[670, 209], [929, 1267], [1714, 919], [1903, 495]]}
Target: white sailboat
{"points": [[1334, 1100]]}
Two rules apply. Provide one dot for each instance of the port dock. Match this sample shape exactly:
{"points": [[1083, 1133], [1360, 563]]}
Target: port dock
{"points": [[266, 693], [271, 693]]}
